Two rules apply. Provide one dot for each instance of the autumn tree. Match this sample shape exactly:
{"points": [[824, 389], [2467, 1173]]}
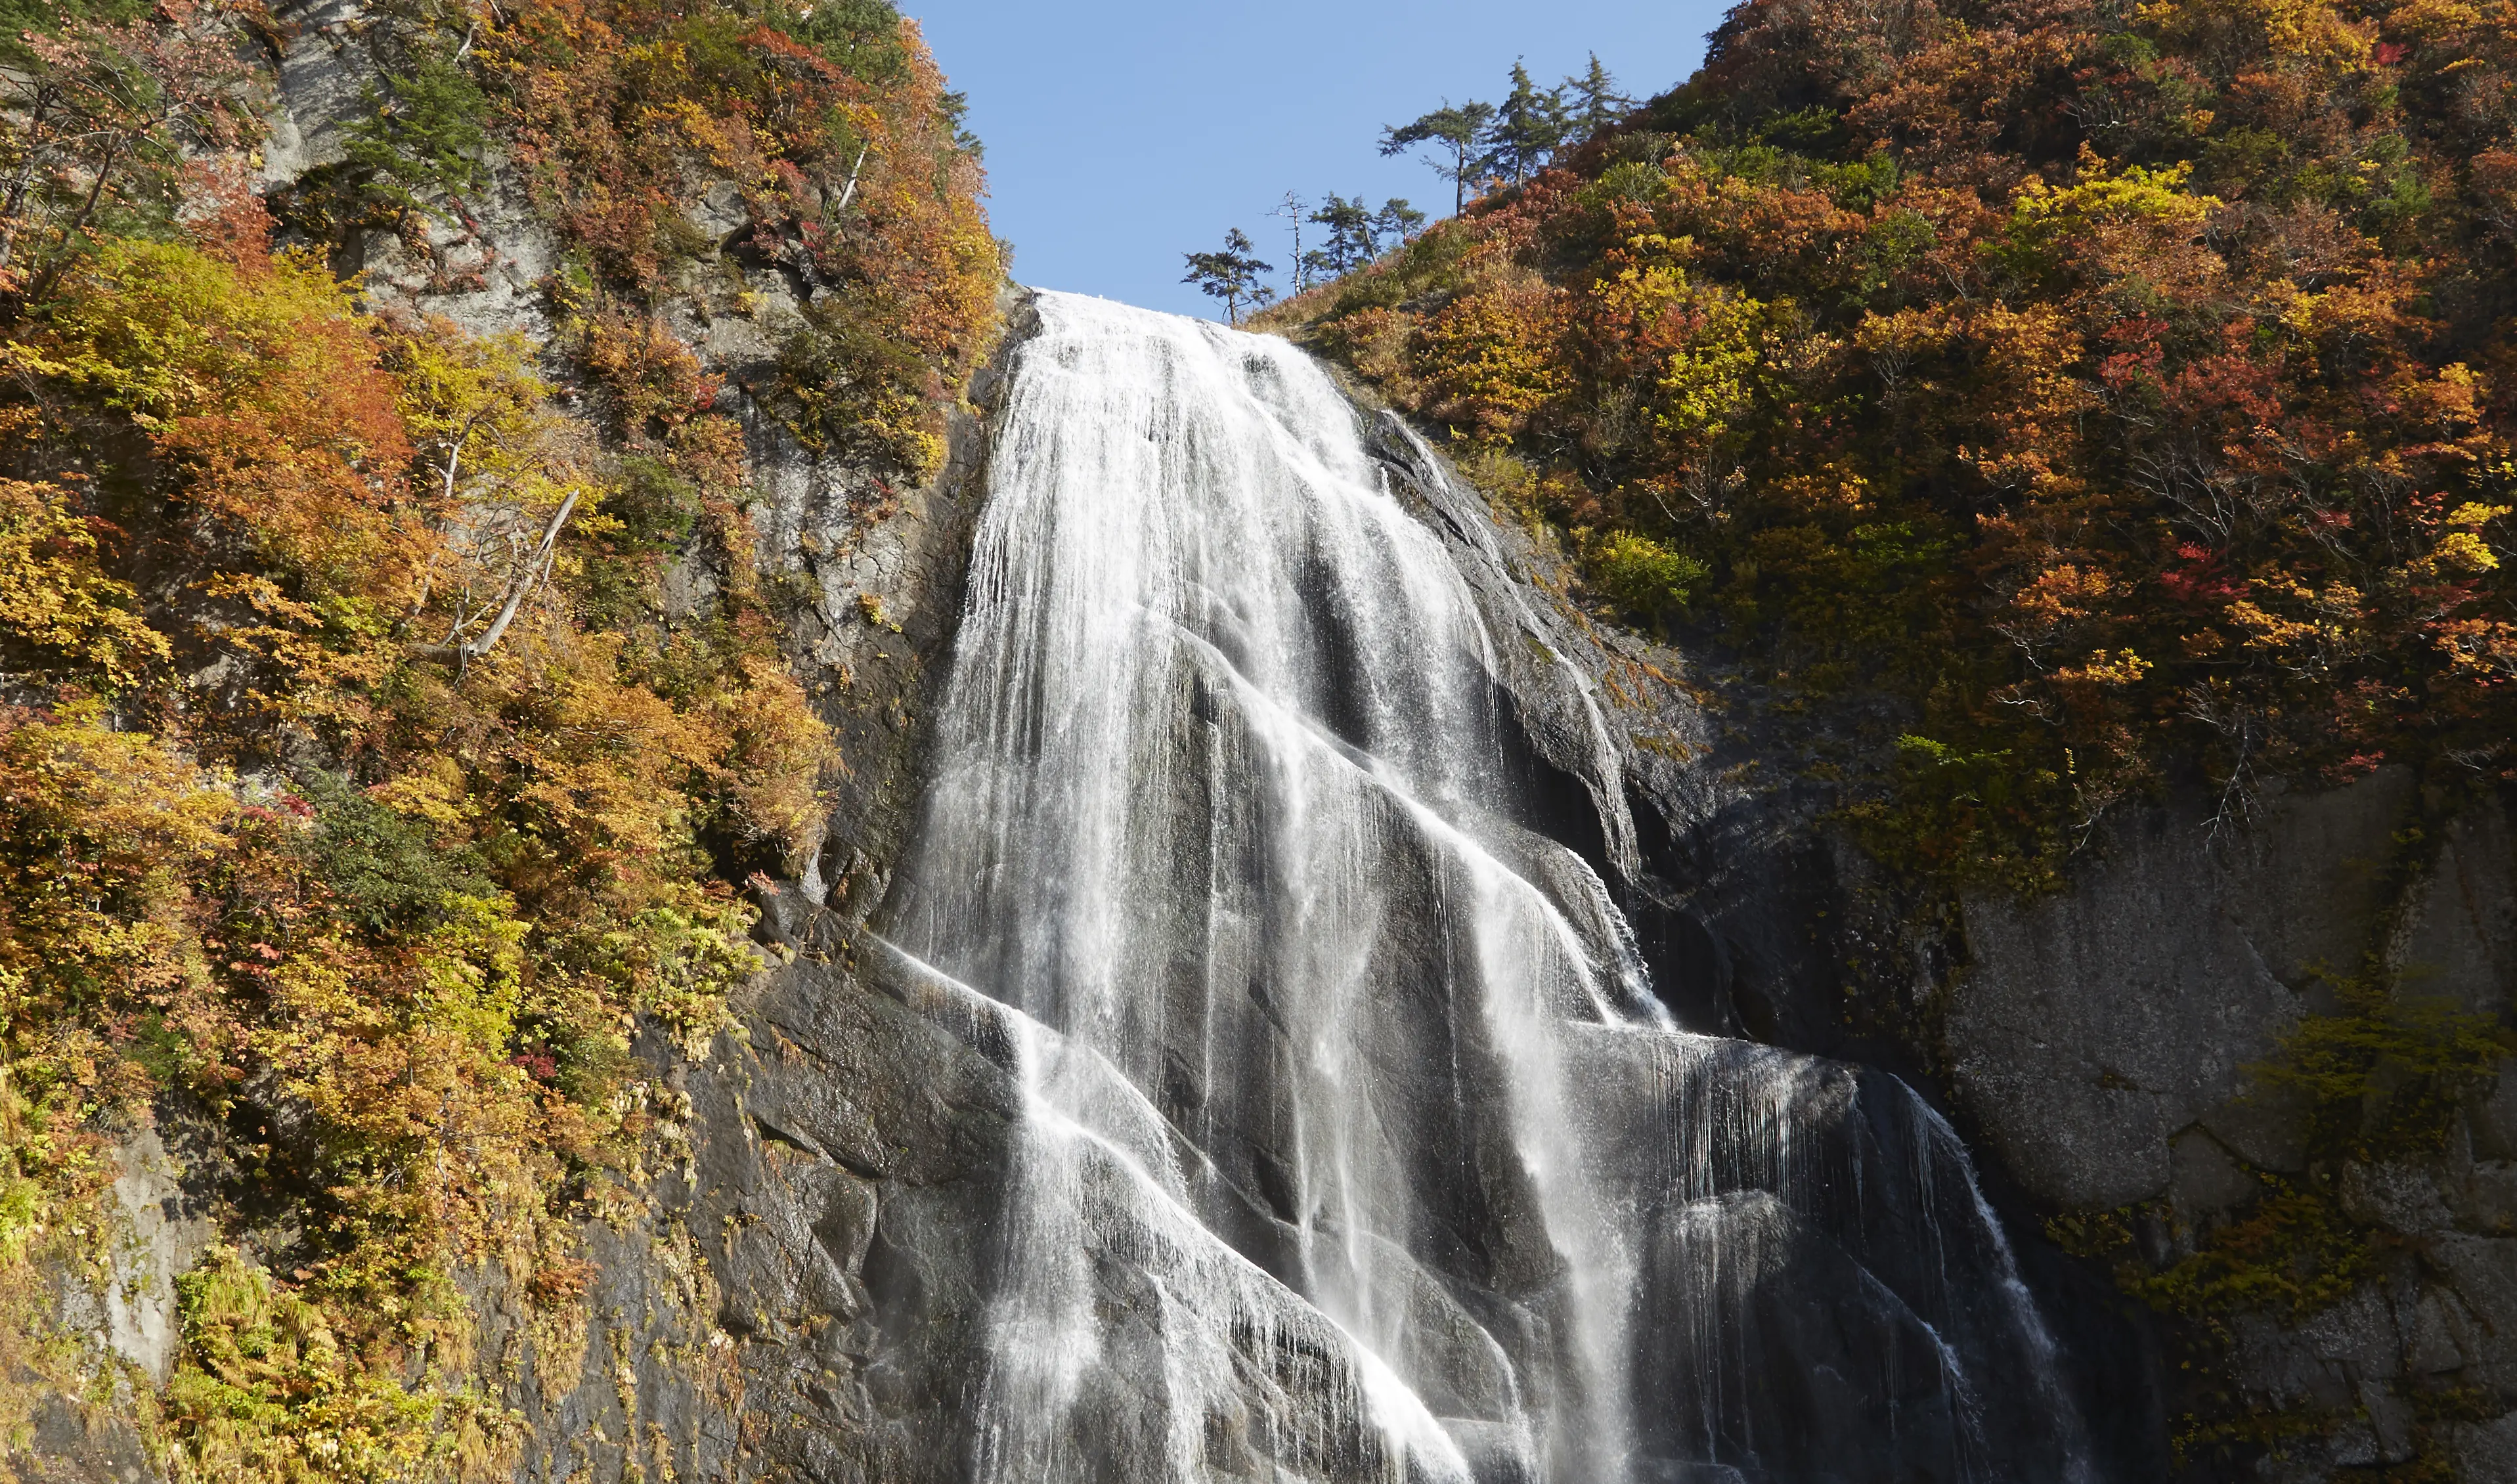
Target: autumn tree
{"points": [[360, 766], [101, 119]]}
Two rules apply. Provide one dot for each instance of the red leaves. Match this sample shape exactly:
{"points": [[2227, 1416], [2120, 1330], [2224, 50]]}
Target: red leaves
{"points": [[652, 374], [2200, 576], [2189, 417], [540, 1066]]}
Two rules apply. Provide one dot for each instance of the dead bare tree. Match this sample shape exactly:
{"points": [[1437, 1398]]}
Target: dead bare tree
{"points": [[523, 578]]}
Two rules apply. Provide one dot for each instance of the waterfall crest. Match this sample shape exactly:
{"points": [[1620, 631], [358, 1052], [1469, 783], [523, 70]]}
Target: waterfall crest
{"points": [[1355, 1143]]}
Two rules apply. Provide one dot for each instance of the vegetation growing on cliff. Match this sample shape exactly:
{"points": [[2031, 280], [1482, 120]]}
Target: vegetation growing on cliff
{"points": [[2125, 389], [362, 792], [2374, 1086]]}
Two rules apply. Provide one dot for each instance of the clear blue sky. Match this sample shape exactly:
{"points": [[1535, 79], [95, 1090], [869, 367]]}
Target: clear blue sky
{"points": [[1123, 133]]}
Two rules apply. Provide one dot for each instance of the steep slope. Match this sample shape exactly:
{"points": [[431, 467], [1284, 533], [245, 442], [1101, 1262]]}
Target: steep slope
{"points": [[456, 456], [2121, 391], [432, 1055]]}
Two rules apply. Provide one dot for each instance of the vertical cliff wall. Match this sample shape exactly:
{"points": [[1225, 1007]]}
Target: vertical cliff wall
{"points": [[2124, 1046]]}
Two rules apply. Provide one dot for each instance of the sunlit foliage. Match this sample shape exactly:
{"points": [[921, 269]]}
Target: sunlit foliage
{"points": [[361, 791], [2125, 390], [832, 126]]}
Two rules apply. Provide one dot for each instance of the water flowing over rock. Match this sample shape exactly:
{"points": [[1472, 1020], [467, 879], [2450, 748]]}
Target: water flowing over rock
{"points": [[1355, 1141]]}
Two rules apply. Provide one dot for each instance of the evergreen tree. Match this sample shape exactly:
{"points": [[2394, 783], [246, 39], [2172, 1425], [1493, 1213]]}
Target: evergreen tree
{"points": [[1231, 275], [1595, 101], [1456, 131], [1356, 234], [1351, 238], [1398, 221], [1524, 131]]}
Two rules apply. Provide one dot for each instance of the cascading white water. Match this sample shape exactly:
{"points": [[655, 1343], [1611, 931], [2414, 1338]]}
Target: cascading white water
{"points": [[1355, 1145]]}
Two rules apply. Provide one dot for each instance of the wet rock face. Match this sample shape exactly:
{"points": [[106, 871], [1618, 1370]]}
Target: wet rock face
{"points": [[802, 1297], [846, 1170]]}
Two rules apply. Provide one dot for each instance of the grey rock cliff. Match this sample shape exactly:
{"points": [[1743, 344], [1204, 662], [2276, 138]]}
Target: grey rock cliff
{"points": [[2104, 1040], [2100, 1034]]}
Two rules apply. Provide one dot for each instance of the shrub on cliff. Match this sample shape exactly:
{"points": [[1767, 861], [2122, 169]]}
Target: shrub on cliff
{"points": [[359, 794]]}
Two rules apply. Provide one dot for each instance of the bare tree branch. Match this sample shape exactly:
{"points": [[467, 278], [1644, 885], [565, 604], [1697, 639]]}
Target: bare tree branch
{"points": [[535, 570]]}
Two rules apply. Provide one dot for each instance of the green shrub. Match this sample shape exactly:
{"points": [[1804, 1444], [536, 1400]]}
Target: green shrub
{"points": [[1644, 577], [421, 137], [2384, 1077], [845, 387], [383, 871]]}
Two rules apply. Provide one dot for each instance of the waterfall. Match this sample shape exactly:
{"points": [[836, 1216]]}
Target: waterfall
{"points": [[1355, 1145]]}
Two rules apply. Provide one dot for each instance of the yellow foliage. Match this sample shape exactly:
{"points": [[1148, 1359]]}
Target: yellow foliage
{"points": [[2462, 551], [2311, 32], [59, 613], [1895, 340], [2060, 595], [106, 830], [1641, 573], [276, 1396], [1376, 342], [437, 971], [263, 386], [775, 747], [2106, 667], [1708, 378], [2434, 19], [2047, 214], [480, 417], [433, 790], [1489, 359]]}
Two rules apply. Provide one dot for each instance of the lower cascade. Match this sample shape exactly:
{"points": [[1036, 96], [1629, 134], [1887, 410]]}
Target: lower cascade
{"points": [[1356, 1142]]}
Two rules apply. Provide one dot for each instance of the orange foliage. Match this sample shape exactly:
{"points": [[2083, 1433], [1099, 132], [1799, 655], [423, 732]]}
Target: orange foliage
{"points": [[2128, 396], [272, 841], [842, 160], [1489, 359]]}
